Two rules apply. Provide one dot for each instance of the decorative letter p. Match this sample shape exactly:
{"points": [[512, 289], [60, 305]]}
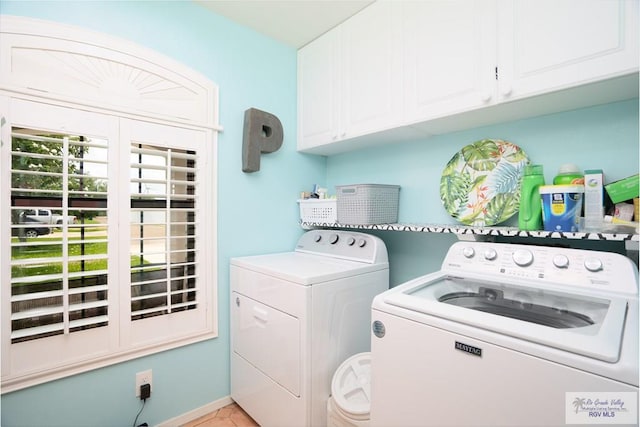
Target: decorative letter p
{"points": [[262, 134]]}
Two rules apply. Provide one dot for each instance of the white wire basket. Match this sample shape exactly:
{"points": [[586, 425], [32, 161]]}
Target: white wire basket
{"points": [[368, 203], [318, 210]]}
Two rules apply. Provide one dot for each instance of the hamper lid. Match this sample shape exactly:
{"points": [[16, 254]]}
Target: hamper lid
{"points": [[350, 387]]}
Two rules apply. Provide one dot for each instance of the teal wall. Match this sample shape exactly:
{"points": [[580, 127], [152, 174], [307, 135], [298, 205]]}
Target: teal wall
{"points": [[257, 212], [601, 137]]}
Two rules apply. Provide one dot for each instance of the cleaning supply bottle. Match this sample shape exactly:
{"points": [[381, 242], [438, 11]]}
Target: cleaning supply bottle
{"points": [[569, 174], [530, 212]]}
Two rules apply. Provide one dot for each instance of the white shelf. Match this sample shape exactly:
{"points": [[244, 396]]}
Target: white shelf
{"points": [[482, 233]]}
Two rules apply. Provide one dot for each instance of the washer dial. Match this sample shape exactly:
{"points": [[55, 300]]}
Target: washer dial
{"points": [[593, 264], [490, 254], [561, 261], [522, 257]]}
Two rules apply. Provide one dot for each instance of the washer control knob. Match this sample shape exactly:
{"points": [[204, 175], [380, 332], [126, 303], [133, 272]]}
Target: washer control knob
{"points": [[593, 264], [318, 237], [333, 239], [561, 261], [490, 254], [522, 257], [468, 252], [351, 241], [362, 243]]}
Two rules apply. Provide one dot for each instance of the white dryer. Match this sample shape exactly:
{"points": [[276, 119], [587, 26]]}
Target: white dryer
{"points": [[295, 316], [509, 335]]}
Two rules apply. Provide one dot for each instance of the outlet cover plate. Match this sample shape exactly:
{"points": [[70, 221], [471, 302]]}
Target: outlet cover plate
{"points": [[144, 377]]}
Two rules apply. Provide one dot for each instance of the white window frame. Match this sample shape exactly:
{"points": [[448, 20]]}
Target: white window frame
{"points": [[128, 111]]}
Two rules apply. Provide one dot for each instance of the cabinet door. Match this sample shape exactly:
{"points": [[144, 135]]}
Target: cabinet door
{"points": [[449, 57], [318, 91], [550, 45], [371, 71]]}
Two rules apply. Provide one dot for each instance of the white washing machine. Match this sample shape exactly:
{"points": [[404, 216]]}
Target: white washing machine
{"points": [[295, 316], [509, 335]]}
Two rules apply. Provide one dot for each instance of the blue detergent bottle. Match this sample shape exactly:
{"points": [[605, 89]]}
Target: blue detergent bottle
{"points": [[530, 211]]}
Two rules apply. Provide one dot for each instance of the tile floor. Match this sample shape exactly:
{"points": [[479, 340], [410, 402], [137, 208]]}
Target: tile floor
{"points": [[230, 416]]}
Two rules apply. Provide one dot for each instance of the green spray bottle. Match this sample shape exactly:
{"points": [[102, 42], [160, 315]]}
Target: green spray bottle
{"points": [[530, 212]]}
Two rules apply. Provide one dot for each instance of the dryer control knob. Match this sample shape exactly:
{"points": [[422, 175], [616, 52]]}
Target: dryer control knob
{"points": [[362, 243], [490, 254], [593, 264], [351, 241], [522, 257], [561, 261], [468, 252], [333, 239]]}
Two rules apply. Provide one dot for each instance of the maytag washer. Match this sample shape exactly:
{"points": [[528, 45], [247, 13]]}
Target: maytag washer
{"points": [[509, 335], [295, 317]]}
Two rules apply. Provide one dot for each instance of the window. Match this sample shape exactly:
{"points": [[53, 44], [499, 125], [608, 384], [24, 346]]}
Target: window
{"points": [[118, 264], [107, 202]]}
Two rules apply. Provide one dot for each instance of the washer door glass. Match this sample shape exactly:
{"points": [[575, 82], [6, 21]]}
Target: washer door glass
{"points": [[591, 325], [492, 300]]}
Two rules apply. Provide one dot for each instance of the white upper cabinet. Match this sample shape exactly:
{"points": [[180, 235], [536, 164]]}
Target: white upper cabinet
{"points": [[399, 68], [349, 81], [548, 45], [449, 56], [371, 72], [319, 89]]}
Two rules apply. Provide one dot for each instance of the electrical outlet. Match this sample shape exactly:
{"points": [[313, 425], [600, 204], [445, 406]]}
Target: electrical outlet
{"points": [[144, 377]]}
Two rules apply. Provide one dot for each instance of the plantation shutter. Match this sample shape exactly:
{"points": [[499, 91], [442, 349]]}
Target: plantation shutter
{"points": [[59, 299], [58, 187], [163, 267], [167, 166]]}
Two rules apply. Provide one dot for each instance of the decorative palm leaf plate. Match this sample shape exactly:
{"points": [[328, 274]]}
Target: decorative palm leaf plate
{"points": [[481, 183]]}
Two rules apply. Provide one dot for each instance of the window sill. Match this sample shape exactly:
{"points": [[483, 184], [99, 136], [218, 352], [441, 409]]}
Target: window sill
{"points": [[40, 377]]}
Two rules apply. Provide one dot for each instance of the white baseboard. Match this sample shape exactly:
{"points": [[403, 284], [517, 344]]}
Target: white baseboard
{"points": [[197, 413]]}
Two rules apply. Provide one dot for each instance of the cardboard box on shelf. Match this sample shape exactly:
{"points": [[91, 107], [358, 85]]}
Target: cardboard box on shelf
{"points": [[624, 189]]}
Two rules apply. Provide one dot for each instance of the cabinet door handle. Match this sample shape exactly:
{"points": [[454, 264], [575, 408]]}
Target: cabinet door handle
{"points": [[507, 90], [486, 96]]}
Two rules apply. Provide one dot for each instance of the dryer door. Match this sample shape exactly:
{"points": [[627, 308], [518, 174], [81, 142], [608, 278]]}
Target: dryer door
{"points": [[268, 339]]}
